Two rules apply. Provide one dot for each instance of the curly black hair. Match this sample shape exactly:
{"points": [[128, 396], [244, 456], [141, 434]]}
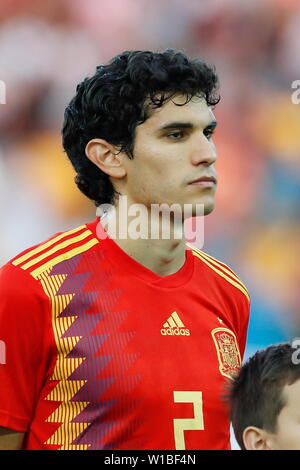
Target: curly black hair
{"points": [[113, 102]]}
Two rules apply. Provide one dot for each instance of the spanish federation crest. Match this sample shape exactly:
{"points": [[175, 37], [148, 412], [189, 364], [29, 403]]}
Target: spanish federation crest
{"points": [[227, 351]]}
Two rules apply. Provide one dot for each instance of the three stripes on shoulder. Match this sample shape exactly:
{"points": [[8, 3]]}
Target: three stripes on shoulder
{"points": [[221, 269], [60, 248]]}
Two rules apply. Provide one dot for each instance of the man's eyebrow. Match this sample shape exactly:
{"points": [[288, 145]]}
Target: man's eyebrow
{"points": [[185, 125]]}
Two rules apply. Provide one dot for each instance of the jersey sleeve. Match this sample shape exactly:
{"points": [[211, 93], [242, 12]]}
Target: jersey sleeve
{"points": [[25, 331]]}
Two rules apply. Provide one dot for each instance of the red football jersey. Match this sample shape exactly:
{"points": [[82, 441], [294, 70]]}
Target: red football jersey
{"points": [[102, 353]]}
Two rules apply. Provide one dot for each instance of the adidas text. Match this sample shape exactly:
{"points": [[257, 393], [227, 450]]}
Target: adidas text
{"points": [[175, 331]]}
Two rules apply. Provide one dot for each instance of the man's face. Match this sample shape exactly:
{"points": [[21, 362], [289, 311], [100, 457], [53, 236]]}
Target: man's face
{"points": [[173, 148], [287, 436]]}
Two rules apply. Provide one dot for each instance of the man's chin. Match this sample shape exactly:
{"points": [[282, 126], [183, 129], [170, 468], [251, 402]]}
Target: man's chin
{"points": [[188, 209], [208, 209], [202, 209]]}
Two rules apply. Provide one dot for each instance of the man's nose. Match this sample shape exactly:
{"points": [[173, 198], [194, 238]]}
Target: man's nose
{"points": [[204, 151]]}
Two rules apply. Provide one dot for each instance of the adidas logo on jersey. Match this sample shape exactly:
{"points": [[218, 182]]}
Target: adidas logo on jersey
{"points": [[174, 327]]}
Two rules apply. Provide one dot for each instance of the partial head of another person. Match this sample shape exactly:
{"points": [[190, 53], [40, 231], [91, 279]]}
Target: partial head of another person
{"points": [[265, 400]]}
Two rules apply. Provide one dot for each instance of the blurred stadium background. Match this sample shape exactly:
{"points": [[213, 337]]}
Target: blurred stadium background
{"points": [[47, 47]]}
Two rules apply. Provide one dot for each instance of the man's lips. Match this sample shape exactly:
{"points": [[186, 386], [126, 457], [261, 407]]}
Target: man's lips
{"points": [[205, 181]]}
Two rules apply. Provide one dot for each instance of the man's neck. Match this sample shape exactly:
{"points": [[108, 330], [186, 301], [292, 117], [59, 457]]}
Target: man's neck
{"points": [[163, 253]]}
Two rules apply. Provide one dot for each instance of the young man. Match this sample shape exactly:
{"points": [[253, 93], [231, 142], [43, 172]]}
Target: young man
{"points": [[265, 399], [121, 342]]}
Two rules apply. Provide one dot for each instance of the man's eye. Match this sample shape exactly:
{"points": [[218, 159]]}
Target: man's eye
{"points": [[209, 133], [176, 135]]}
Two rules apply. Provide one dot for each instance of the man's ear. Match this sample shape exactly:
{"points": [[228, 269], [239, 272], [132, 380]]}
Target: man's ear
{"points": [[256, 439], [106, 157]]}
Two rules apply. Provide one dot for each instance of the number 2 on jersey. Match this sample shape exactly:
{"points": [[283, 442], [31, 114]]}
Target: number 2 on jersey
{"points": [[185, 424]]}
